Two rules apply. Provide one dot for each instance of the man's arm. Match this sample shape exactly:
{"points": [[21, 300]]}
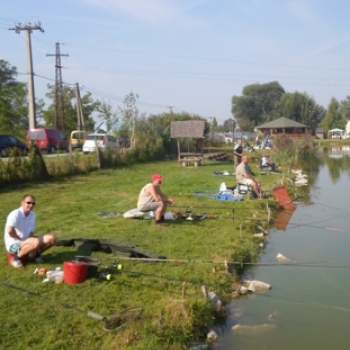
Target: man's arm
{"points": [[158, 195]]}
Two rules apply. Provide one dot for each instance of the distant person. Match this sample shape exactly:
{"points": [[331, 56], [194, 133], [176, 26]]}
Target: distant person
{"points": [[237, 154], [265, 162], [151, 198], [19, 234], [244, 175]]}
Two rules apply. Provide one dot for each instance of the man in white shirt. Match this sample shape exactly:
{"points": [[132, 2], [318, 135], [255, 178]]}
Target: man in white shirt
{"points": [[244, 175], [19, 234]]}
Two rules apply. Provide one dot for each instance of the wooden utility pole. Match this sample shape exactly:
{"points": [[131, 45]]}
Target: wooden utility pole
{"points": [[80, 116], [59, 98], [31, 92]]}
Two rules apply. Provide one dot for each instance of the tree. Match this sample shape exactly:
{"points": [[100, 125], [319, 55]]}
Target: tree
{"points": [[333, 118], [13, 102], [257, 105], [70, 110], [345, 109], [130, 114], [109, 116], [302, 108]]}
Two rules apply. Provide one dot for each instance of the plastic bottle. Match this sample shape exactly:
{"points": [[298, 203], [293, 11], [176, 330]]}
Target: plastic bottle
{"points": [[222, 187]]}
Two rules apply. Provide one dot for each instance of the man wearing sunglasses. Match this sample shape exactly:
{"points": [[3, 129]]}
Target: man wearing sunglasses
{"points": [[151, 198], [19, 234]]}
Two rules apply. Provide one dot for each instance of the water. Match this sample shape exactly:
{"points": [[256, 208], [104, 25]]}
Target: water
{"points": [[308, 307]]}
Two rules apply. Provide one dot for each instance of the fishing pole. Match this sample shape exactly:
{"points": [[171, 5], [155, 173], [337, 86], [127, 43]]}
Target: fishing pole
{"points": [[225, 262], [111, 323], [226, 289]]}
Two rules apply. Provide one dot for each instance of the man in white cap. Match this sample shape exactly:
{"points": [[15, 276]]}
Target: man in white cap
{"points": [[151, 198]]}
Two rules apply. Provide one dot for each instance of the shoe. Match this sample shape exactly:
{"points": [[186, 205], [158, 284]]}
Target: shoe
{"points": [[39, 259], [159, 224], [16, 262]]}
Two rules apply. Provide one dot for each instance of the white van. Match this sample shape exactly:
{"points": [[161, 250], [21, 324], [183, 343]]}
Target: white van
{"points": [[103, 142]]}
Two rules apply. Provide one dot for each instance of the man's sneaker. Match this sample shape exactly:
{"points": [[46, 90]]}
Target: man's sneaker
{"points": [[39, 259], [16, 262]]}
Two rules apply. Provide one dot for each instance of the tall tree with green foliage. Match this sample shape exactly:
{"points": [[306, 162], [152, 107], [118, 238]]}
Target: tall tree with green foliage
{"points": [[333, 118], [302, 108], [13, 102], [257, 105], [345, 109]]}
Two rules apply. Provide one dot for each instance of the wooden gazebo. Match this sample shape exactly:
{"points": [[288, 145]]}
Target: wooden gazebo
{"points": [[284, 126], [190, 129]]}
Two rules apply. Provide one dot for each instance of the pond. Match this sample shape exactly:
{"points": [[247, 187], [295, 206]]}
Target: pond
{"points": [[308, 306]]}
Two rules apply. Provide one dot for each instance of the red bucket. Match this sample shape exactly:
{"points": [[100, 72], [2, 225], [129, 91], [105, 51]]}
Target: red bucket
{"points": [[75, 272], [283, 198]]}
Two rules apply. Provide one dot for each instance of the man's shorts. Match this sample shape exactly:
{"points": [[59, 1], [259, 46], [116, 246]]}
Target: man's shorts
{"points": [[151, 206], [15, 247], [247, 182]]}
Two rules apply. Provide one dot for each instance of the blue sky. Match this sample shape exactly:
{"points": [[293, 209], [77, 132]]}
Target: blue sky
{"points": [[192, 55]]}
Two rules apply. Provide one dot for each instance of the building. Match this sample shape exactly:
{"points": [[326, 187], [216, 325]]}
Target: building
{"points": [[283, 126]]}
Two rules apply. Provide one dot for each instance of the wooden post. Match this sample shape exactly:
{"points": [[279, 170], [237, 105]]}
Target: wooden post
{"points": [[178, 150], [183, 290], [183, 311], [204, 291]]}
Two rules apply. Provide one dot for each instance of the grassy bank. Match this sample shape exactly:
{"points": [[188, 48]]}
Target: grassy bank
{"points": [[172, 318]]}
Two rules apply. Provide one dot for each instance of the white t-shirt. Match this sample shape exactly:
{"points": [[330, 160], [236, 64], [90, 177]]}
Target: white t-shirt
{"points": [[23, 225]]}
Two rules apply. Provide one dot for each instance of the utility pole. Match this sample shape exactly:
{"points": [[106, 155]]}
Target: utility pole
{"points": [[31, 92], [59, 98], [80, 115]]}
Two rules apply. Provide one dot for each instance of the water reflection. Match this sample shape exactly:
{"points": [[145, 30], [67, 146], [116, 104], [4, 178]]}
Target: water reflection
{"points": [[282, 219], [309, 303], [338, 161]]}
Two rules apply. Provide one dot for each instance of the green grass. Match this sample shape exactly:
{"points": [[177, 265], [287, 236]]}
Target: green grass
{"points": [[69, 207]]}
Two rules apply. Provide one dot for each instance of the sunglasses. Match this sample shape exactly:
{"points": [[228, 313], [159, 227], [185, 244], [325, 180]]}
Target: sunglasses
{"points": [[32, 203]]}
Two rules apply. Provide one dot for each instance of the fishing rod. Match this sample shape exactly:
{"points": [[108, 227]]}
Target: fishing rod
{"points": [[230, 290], [109, 323], [224, 262]]}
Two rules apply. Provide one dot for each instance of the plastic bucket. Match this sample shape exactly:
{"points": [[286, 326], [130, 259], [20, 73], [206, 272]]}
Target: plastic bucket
{"points": [[74, 271], [283, 198]]}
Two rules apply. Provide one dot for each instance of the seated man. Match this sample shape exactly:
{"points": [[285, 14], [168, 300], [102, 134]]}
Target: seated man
{"points": [[19, 234], [266, 163], [244, 175], [151, 198]]}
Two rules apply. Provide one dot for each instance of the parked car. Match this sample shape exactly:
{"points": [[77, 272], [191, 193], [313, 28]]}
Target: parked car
{"points": [[103, 142], [48, 140], [9, 142], [77, 138]]}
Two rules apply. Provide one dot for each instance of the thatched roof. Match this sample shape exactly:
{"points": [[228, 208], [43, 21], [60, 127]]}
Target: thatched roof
{"points": [[187, 129], [281, 123]]}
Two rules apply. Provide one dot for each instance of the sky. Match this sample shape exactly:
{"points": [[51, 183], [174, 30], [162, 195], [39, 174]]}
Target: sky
{"points": [[183, 55]]}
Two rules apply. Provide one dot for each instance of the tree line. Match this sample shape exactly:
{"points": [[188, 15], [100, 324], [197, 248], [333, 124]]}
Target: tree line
{"points": [[261, 103], [258, 104]]}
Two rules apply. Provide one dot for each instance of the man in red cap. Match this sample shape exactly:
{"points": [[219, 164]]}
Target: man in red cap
{"points": [[151, 198]]}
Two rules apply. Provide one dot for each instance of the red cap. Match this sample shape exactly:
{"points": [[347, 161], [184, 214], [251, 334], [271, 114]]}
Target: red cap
{"points": [[157, 177]]}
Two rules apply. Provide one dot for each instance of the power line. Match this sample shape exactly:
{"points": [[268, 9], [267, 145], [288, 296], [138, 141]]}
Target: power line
{"points": [[211, 59]]}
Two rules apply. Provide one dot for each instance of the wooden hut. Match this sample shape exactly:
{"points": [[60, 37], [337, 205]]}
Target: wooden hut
{"points": [[284, 126], [190, 129]]}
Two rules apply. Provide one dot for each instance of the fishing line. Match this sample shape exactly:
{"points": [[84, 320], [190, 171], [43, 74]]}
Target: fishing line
{"points": [[319, 264], [259, 295], [330, 207], [302, 302]]}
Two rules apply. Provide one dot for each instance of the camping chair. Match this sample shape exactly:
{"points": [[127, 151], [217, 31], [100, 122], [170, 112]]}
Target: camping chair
{"points": [[264, 169], [246, 189]]}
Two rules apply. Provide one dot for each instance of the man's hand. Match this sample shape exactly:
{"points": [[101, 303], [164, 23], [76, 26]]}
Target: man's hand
{"points": [[171, 201]]}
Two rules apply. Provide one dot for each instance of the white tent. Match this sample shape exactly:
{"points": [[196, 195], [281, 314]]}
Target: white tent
{"points": [[347, 127], [335, 133]]}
